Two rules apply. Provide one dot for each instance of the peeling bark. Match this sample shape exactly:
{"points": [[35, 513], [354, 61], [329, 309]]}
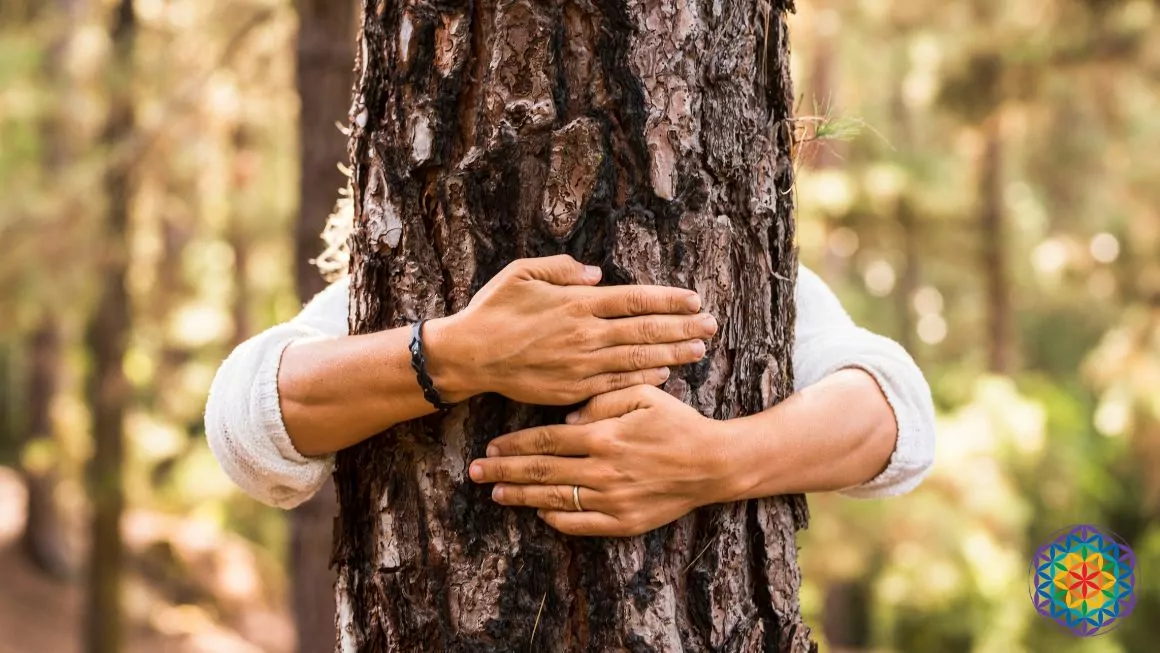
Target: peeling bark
{"points": [[651, 138]]}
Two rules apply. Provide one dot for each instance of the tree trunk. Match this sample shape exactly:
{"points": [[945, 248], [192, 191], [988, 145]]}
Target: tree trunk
{"points": [[44, 539], [45, 535], [994, 249], [108, 388], [651, 138], [325, 62]]}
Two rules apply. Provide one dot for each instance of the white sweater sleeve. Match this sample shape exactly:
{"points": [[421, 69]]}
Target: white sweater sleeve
{"points": [[243, 415], [826, 341]]}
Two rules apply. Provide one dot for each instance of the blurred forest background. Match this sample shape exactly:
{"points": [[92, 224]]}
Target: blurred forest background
{"points": [[979, 180]]}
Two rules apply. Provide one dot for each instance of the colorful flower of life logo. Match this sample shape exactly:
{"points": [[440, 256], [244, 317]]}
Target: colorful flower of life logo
{"points": [[1085, 580]]}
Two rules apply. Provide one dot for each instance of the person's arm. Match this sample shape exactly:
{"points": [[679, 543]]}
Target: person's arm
{"points": [[862, 422], [540, 332]]}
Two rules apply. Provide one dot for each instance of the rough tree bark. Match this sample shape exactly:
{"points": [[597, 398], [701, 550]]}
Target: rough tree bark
{"points": [[108, 389], [650, 137], [325, 60]]}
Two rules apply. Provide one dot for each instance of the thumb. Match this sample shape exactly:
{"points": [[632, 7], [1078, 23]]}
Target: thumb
{"points": [[613, 404], [561, 270]]}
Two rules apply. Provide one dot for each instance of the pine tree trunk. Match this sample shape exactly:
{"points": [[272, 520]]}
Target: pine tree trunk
{"points": [[108, 332], [651, 138], [325, 62]]}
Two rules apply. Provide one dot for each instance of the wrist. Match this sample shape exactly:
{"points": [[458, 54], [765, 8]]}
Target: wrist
{"points": [[448, 364], [732, 462]]}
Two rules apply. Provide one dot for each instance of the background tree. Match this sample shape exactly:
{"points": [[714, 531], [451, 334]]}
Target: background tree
{"points": [[655, 141], [107, 338], [325, 60]]}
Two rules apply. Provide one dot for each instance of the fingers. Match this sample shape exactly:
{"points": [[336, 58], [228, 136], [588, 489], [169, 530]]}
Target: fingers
{"points": [[586, 523], [627, 358], [626, 301], [552, 440], [561, 270], [658, 329], [613, 404], [538, 470], [550, 497], [611, 381]]}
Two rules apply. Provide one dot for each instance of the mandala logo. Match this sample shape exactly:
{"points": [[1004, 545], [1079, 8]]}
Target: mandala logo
{"points": [[1084, 579]]}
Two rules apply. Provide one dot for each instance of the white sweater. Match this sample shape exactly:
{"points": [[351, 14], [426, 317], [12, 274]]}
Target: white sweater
{"points": [[243, 417]]}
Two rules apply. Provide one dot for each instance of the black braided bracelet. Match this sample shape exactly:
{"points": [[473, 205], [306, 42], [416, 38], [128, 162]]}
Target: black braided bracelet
{"points": [[419, 364]]}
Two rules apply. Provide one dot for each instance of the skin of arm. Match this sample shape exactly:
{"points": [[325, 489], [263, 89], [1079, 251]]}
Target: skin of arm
{"points": [[644, 459], [540, 332]]}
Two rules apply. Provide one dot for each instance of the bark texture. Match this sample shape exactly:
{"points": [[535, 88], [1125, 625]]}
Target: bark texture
{"points": [[325, 55], [651, 138], [108, 388]]}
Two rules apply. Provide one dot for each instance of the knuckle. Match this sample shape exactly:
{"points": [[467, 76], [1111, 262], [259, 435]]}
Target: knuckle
{"points": [[556, 498], [519, 495], [637, 301], [580, 338], [651, 330], [692, 328], [638, 356], [539, 471], [544, 441], [616, 381], [501, 473]]}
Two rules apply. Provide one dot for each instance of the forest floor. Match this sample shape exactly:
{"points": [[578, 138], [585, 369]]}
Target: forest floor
{"points": [[42, 615]]}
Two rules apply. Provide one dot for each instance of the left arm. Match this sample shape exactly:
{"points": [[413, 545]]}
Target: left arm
{"points": [[861, 422]]}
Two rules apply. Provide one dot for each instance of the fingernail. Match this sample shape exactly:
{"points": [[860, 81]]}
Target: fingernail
{"points": [[665, 373], [476, 471], [497, 493], [592, 273], [693, 302], [698, 348], [709, 321], [572, 418], [492, 451]]}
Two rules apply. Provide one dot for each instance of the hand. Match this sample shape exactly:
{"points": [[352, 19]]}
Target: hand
{"points": [[540, 332], [642, 459]]}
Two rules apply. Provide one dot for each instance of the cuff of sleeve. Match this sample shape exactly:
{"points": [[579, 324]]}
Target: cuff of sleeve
{"points": [[308, 472], [269, 408], [906, 392], [903, 472], [244, 426]]}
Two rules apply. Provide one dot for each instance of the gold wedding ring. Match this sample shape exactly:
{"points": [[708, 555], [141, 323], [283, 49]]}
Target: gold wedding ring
{"points": [[576, 498]]}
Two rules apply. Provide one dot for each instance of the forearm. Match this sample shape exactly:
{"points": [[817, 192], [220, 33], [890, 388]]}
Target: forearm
{"points": [[835, 434], [337, 392]]}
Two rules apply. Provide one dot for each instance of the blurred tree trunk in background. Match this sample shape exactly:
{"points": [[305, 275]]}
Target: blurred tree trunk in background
{"points": [[325, 62], [45, 540], [45, 537], [653, 141], [993, 259], [107, 334]]}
